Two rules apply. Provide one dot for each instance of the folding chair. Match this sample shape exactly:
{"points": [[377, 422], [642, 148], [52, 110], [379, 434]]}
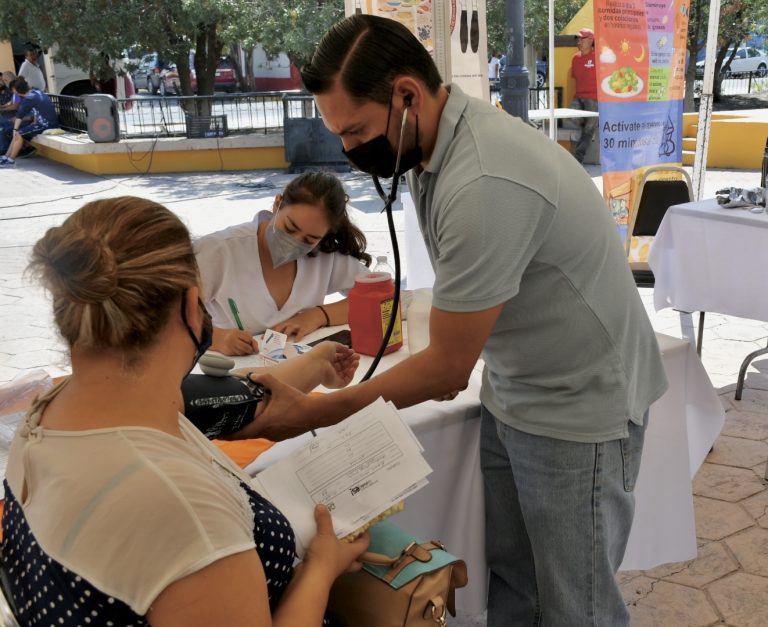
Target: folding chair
{"points": [[660, 187]]}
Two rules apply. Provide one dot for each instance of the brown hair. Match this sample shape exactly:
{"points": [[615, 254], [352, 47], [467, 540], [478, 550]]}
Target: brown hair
{"points": [[323, 188], [115, 269], [365, 53]]}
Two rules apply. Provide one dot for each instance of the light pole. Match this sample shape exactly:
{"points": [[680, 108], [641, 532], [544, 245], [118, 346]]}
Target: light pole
{"points": [[514, 83]]}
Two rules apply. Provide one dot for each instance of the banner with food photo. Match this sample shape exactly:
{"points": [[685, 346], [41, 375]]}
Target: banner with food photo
{"points": [[454, 32], [640, 48]]}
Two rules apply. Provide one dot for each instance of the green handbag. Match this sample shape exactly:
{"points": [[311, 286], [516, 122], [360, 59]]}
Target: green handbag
{"points": [[404, 582]]}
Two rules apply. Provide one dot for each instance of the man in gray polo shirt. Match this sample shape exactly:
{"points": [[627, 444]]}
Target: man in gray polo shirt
{"points": [[530, 275]]}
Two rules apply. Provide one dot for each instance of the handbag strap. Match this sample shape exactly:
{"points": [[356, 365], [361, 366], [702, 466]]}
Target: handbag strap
{"points": [[414, 551], [418, 551]]}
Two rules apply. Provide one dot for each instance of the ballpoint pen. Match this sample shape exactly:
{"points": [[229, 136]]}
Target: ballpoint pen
{"points": [[236, 313]]}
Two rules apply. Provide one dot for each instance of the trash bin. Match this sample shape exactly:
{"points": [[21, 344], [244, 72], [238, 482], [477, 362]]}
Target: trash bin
{"points": [[308, 144]]}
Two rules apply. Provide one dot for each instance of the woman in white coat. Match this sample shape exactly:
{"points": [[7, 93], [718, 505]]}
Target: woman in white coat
{"points": [[275, 271]]}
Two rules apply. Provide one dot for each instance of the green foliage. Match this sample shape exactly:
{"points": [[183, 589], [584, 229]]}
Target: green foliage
{"points": [[536, 22], [293, 26]]}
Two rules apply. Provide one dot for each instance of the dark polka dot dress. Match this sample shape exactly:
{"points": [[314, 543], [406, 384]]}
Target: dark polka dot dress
{"points": [[46, 593]]}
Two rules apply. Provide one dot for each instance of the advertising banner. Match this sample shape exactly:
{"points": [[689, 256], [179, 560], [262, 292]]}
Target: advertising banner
{"points": [[453, 31], [640, 48]]}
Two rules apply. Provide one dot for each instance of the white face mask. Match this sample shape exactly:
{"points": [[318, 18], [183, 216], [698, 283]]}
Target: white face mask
{"points": [[282, 247]]}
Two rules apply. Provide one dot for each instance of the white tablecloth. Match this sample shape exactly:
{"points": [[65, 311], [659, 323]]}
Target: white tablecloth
{"points": [[705, 258], [683, 425]]}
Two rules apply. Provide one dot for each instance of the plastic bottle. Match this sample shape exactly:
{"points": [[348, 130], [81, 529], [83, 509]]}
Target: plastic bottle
{"points": [[382, 265], [418, 319], [370, 307]]}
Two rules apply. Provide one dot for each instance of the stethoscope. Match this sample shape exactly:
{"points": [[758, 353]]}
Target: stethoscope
{"points": [[389, 199]]}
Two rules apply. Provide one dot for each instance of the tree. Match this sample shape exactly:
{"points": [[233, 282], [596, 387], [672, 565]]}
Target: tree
{"points": [[536, 21], [84, 31], [739, 19], [291, 26]]}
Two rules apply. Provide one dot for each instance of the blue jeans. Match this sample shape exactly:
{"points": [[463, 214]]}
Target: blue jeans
{"points": [[558, 516]]}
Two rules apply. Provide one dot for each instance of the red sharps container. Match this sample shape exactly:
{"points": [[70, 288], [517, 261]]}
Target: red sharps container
{"points": [[370, 307]]}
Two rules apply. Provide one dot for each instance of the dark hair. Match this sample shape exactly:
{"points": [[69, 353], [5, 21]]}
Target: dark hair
{"points": [[116, 269], [323, 188], [366, 53], [20, 85]]}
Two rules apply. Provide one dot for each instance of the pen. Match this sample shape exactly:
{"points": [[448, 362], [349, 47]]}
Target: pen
{"points": [[236, 314]]}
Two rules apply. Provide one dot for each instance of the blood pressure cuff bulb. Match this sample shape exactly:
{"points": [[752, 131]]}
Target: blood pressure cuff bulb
{"points": [[219, 406]]}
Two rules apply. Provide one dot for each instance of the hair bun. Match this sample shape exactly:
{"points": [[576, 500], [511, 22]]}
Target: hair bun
{"points": [[86, 268]]}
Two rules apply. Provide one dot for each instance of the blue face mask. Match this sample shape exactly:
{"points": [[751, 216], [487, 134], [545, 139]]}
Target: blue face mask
{"points": [[282, 247]]}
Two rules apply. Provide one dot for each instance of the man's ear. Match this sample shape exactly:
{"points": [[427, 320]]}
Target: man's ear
{"points": [[409, 91]]}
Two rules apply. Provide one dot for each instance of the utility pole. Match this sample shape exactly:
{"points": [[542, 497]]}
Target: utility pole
{"points": [[514, 83]]}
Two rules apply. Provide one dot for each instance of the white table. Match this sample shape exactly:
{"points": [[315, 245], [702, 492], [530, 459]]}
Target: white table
{"points": [[560, 113], [683, 425], [706, 258]]}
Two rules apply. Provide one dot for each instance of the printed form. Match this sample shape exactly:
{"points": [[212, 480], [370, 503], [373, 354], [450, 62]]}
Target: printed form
{"points": [[357, 469]]}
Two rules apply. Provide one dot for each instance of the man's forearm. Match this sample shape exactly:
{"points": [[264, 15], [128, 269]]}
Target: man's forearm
{"points": [[419, 378]]}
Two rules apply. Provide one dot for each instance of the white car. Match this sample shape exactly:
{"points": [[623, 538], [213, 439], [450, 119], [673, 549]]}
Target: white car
{"points": [[747, 59]]}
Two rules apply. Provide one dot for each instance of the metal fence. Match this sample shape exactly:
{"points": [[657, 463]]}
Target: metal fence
{"points": [[71, 112], [737, 84], [258, 112], [538, 97]]}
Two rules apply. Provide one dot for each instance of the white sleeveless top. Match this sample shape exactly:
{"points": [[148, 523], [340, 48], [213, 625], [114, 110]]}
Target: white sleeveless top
{"points": [[130, 509]]}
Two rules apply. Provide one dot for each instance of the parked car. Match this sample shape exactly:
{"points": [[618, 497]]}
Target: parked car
{"points": [[747, 59], [224, 80], [148, 73]]}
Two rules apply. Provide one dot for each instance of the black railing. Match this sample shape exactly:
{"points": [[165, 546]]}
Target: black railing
{"points": [[258, 112], [734, 84], [71, 112], [538, 97]]}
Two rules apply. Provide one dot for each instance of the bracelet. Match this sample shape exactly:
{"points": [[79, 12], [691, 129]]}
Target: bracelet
{"points": [[325, 313]]}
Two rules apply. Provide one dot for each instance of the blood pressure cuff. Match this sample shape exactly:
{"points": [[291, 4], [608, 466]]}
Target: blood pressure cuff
{"points": [[217, 406]]}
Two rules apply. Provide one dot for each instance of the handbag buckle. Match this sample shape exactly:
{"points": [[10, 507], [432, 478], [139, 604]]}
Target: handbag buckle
{"points": [[439, 620], [407, 550]]}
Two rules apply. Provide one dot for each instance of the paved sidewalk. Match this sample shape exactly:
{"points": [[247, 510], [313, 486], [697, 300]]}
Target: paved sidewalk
{"points": [[726, 585]]}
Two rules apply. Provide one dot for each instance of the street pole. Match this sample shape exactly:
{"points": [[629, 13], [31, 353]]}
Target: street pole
{"points": [[514, 83]]}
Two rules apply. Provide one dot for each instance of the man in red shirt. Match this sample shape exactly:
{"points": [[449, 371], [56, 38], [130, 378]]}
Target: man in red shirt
{"points": [[584, 73]]}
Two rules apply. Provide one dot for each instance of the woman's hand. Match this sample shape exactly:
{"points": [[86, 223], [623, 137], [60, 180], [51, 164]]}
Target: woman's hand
{"points": [[338, 363], [301, 324], [328, 554], [234, 342]]}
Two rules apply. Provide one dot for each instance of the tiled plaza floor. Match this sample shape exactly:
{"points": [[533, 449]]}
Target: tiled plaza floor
{"points": [[726, 585]]}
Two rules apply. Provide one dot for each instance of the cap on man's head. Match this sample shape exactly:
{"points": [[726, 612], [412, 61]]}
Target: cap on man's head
{"points": [[586, 32]]}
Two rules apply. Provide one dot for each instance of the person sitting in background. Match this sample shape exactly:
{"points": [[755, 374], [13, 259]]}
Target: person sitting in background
{"points": [[35, 114], [30, 71], [584, 72], [118, 511], [9, 100], [278, 268], [6, 93]]}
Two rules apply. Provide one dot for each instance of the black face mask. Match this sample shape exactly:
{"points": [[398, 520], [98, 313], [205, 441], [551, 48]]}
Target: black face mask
{"points": [[376, 156], [206, 333]]}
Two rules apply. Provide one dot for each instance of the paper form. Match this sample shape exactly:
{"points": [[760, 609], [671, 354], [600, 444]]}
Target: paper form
{"points": [[358, 469]]}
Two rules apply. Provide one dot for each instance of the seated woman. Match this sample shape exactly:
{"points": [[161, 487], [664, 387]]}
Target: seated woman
{"points": [[278, 269], [118, 511]]}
